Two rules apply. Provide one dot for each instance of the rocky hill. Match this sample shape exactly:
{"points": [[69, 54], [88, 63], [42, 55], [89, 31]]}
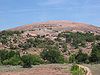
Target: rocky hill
{"points": [[74, 42], [50, 30], [62, 25]]}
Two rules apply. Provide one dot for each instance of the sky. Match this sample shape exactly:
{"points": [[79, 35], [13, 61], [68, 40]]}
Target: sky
{"points": [[15, 13]]}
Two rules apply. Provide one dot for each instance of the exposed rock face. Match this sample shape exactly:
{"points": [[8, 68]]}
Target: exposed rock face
{"points": [[1, 46], [59, 26]]}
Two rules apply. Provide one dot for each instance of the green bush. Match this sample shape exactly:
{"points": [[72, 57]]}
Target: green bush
{"points": [[12, 54], [3, 55], [26, 45], [72, 58], [97, 37], [64, 47], [95, 54], [15, 60], [81, 57], [8, 57], [90, 37], [36, 60], [75, 70], [52, 55], [27, 61], [4, 39]]}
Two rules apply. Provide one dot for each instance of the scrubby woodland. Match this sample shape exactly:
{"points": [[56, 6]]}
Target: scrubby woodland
{"points": [[67, 47]]}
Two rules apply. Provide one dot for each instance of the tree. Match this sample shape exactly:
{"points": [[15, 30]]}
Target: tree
{"points": [[15, 60], [72, 58], [27, 61], [97, 37], [90, 37], [69, 37], [53, 55], [3, 55], [95, 54], [64, 47], [78, 39], [11, 54], [4, 39], [9, 57], [36, 60], [26, 45], [81, 57]]}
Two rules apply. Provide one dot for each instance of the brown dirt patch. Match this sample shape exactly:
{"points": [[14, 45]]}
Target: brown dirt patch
{"points": [[40, 70]]}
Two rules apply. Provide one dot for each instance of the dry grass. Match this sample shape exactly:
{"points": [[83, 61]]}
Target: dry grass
{"points": [[10, 68], [49, 69], [95, 68]]}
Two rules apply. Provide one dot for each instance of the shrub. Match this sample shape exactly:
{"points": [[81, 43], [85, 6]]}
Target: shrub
{"points": [[95, 54], [26, 61], [81, 57], [72, 58], [64, 47], [15, 60], [3, 55], [36, 60], [0, 62], [75, 70], [11, 54], [4, 40], [97, 37], [53, 55], [7, 57], [90, 37], [26, 45], [78, 39]]}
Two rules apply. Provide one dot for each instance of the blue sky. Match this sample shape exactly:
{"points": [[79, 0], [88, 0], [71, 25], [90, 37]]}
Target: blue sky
{"points": [[14, 13]]}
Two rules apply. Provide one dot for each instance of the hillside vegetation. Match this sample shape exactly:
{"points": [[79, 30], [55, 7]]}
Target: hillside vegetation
{"points": [[67, 47]]}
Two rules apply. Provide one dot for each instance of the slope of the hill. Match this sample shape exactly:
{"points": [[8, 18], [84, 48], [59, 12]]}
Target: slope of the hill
{"points": [[59, 26]]}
